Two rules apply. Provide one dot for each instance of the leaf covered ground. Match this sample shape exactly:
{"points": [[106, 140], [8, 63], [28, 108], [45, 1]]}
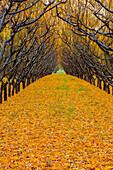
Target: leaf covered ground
{"points": [[58, 122]]}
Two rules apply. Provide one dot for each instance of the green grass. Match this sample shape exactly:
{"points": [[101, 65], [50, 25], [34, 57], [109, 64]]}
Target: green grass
{"points": [[64, 79], [70, 109], [64, 87], [71, 78], [81, 89], [57, 88]]}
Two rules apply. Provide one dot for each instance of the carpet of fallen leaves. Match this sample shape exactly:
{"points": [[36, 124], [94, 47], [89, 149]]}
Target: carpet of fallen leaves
{"points": [[58, 122]]}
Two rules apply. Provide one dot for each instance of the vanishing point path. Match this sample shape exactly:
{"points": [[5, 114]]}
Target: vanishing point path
{"points": [[59, 122]]}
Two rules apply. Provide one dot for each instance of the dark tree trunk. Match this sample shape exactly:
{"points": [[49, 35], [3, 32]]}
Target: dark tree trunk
{"points": [[18, 87], [1, 96], [81, 76], [97, 82], [104, 88], [23, 84], [13, 88], [32, 79], [94, 82], [90, 80], [9, 90], [100, 86], [108, 89], [28, 81], [85, 78], [5, 93]]}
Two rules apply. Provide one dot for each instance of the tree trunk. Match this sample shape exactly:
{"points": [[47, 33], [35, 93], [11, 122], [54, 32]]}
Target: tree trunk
{"points": [[1, 96], [94, 82], [90, 80], [18, 87], [9, 90], [5, 93], [13, 88], [23, 84], [104, 88], [108, 89], [28, 81], [100, 86], [32, 79]]}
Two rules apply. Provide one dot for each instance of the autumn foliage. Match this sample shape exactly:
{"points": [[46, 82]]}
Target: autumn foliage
{"points": [[57, 122]]}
